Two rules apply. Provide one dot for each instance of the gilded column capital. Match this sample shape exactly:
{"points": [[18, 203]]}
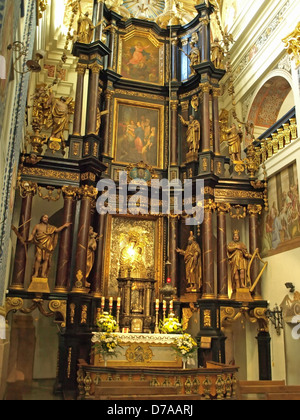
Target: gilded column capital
{"points": [[174, 105], [205, 87], [88, 192], [184, 105], [209, 205], [95, 67], [204, 21], [223, 207], [27, 188], [216, 92], [69, 191], [254, 209], [81, 68]]}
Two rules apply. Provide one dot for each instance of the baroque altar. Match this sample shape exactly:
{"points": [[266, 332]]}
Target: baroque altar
{"points": [[146, 109]]}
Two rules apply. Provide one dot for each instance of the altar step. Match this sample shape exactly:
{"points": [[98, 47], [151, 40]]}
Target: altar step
{"points": [[267, 390], [138, 390]]}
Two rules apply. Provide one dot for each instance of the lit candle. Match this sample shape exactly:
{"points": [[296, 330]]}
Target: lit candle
{"points": [[157, 304]]}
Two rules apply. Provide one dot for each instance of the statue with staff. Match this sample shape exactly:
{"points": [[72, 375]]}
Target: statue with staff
{"points": [[241, 262]]}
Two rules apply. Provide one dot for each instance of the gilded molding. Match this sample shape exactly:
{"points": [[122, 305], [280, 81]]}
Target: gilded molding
{"points": [[50, 173]]}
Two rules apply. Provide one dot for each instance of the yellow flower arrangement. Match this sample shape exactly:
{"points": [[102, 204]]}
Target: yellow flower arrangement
{"points": [[171, 325], [185, 346], [105, 343]]}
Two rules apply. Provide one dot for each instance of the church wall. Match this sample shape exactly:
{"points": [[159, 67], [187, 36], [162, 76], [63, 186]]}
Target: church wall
{"points": [[283, 267]]}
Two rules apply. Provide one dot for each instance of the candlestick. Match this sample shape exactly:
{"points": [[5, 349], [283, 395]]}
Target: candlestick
{"points": [[102, 304], [110, 304], [118, 314], [171, 306], [156, 330]]}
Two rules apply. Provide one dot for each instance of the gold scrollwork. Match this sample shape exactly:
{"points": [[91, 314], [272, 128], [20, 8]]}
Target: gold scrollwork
{"points": [[55, 306], [139, 354]]}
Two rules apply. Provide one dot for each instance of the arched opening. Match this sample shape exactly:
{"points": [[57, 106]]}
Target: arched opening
{"points": [[273, 100]]}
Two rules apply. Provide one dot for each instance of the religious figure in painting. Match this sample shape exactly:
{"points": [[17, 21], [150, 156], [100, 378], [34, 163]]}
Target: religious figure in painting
{"points": [[239, 258], [137, 136], [193, 266], [132, 261], [45, 237]]}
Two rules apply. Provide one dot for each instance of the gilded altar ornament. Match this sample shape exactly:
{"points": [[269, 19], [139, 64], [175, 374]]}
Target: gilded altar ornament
{"points": [[118, 7], [292, 45], [252, 163], [293, 128], [238, 257], [234, 140], [62, 108], [131, 260], [193, 266], [241, 262], [223, 120], [194, 56], [92, 246], [85, 28], [193, 136], [217, 55], [45, 237], [173, 14]]}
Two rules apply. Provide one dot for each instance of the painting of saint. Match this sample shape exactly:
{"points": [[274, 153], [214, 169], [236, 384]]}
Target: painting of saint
{"points": [[137, 135], [281, 227], [140, 60]]}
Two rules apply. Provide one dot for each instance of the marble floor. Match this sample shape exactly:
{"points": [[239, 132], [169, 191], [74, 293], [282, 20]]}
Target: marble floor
{"points": [[37, 390]]}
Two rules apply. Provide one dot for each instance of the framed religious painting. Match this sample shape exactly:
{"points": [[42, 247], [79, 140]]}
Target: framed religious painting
{"points": [[134, 249], [281, 224], [138, 133], [141, 58]]}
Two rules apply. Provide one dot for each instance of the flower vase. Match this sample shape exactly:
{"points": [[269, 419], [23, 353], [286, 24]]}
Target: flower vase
{"points": [[184, 360], [104, 360]]}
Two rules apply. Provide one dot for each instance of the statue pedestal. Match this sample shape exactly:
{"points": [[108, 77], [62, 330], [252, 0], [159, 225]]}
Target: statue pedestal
{"points": [[39, 285], [243, 295]]}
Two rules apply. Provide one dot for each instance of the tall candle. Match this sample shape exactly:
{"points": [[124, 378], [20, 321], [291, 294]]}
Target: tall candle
{"points": [[171, 305], [102, 302], [118, 302], [110, 302], [164, 304], [157, 304]]}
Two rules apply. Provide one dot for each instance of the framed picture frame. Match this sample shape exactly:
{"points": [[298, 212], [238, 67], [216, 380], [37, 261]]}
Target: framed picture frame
{"points": [[281, 224], [149, 234], [141, 58], [138, 133]]}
